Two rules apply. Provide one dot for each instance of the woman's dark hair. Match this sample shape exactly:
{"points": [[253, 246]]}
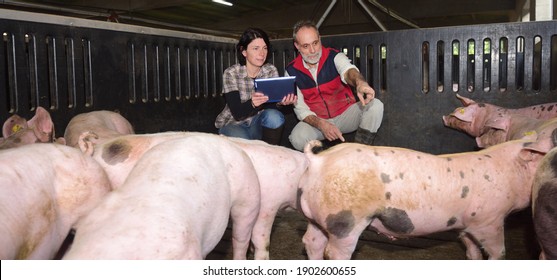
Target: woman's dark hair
{"points": [[247, 37]]}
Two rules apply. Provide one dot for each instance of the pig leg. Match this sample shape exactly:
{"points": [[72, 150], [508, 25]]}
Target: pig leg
{"points": [[244, 213], [492, 240], [246, 201], [261, 234], [242, 226], [341, 248], [194, 251], [343, 238], [472, 250], [315, 242]]}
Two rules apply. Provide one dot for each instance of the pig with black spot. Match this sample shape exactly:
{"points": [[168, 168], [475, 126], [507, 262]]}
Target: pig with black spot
{"points": [[403, 193], [175, 202], [544, 205]]}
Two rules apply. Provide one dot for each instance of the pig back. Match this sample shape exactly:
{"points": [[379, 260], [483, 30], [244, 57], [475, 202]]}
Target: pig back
{"points": [[362, 180], [175, 203], [119, 155], [279, 170], [45, 190]]}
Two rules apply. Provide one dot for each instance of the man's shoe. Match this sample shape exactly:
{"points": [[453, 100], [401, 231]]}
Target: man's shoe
{"points": [[364, 136]]}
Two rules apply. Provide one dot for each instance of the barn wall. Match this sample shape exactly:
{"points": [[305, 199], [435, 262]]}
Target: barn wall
{"points": [[160, 80], [417, 74], [165, 80]]}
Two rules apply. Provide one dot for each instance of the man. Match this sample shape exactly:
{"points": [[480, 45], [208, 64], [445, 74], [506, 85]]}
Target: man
{"points": [[326, 106]]}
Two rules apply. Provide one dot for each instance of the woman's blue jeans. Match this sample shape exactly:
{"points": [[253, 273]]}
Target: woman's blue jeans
{"points": [[269, 118]]}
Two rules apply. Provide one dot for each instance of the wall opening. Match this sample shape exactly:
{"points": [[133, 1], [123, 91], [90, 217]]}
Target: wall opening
{"points": [[503, 63], [470, 65], [455, 65], [440, 66], [425, 67]]}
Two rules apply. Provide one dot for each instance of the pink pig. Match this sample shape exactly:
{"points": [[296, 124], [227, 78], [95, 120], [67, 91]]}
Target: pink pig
{"points": [[403, 193], [512, 127], [104, 124], [119, 155], [45, 190], [279, 170], [544, 205], [175, 204], [474, 118], [17, 131]]}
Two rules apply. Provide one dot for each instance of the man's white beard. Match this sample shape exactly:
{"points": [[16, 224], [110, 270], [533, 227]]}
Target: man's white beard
{"points": [[312, 59]]}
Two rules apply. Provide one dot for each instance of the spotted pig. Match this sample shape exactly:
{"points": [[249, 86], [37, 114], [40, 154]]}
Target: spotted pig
{"points": [[476, 118], [544, 205], [512, 127], [404, 193]]}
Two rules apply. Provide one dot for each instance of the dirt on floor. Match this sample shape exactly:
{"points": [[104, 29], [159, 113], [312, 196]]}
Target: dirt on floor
{"points": [[289, 227]]}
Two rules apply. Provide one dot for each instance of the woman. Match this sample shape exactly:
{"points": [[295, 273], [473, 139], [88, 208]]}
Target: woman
{"points": [[246, 114]]}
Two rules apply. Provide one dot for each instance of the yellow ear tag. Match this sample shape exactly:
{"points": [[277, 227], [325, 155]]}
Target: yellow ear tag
{"points": [[528, 133], [16, 128], [461, 111]]}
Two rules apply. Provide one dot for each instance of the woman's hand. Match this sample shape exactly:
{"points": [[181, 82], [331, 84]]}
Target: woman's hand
{"points": [[289, 99], [258, 98]]}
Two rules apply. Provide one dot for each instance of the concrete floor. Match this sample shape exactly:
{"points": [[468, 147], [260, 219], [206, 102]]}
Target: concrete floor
{"points": [[289, 227]]}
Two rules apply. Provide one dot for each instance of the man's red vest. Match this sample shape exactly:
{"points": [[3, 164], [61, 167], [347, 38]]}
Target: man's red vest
{"points": [[329, 97]]}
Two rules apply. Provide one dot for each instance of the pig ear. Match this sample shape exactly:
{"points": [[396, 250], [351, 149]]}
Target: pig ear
{"points": [[530, 155], [541, 144], [491, 137], [534, 153], [465, 101], [466, 114], [42, 125], [87, 141], [499, 123], [13, 124]]}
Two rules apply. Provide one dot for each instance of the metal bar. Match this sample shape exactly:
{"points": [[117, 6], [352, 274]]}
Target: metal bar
{"points": [[326, 13], [391, 13], [372, 15], [87, 23]]}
